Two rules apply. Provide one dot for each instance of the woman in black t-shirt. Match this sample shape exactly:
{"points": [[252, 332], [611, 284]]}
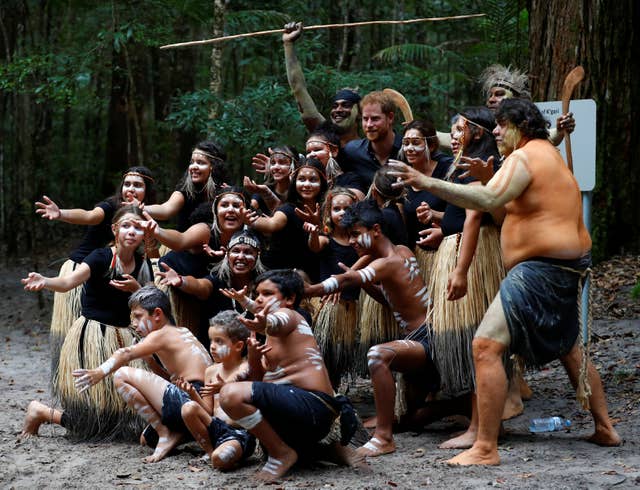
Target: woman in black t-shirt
{"points": [[288, 248], [109, 276], [205, 174], [137, 187], [198, 246]]}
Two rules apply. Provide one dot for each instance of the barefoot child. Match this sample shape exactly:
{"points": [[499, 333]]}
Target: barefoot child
{"points": [[293, 407], [207, 422], [402, 287], [155, 399]]}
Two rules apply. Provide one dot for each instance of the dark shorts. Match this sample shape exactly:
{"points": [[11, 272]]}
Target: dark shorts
{"points": [[300, 417], [540, 302], [427, 376], [172, 402], [221, 432]]}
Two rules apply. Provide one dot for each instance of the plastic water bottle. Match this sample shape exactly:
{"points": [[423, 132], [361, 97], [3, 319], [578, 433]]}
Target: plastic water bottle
{"points": [[549, 424]]}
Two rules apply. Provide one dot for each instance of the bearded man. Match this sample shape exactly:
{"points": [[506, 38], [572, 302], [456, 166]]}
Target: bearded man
{"points": [[345, 109], [546, 249]]}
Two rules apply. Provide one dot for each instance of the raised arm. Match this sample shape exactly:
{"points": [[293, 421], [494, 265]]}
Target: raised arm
{"points": [[200, 288], [50, 210], [193, 237], [507, 184], [36, 282], [311, 117], [351, 277], [167, 209]]}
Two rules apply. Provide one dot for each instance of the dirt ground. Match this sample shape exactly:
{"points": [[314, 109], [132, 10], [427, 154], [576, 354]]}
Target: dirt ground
{"points": [[556, 460]]}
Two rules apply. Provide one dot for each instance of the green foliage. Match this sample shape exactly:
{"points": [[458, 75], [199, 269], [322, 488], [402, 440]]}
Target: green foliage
{"points": [[635, 291]]}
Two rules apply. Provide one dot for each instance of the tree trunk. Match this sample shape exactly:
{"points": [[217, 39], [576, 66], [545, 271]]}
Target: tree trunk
{"points": [[216, 54], [597, 34]]}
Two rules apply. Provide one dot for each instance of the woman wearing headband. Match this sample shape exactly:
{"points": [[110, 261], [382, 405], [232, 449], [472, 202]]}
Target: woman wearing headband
{"points": [[109, 276], [267, 197], [206, 172], [194, 249], [238, 269], [136, 187]]}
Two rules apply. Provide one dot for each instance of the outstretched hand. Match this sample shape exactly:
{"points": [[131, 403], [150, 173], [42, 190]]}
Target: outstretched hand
{"points": [[34, 282], [86, 378], [309, 215], [214, 253], [406, 175], [292, 31], [48, 209], [240, 296], [169, 277], [260, 162], [477, 168], [248, 215]]}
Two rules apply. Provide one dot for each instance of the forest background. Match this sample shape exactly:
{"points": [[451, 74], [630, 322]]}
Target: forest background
{"points": [[85, 91]]}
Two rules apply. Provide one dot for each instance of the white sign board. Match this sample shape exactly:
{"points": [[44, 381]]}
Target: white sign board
{"points": [[583, 139]]}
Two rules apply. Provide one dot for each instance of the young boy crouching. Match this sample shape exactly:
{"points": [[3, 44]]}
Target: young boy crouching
{"points": [[208, 423], [155, 399]]}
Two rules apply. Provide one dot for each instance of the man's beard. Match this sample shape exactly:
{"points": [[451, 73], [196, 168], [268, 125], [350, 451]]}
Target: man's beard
{"points": [[347, 124]]}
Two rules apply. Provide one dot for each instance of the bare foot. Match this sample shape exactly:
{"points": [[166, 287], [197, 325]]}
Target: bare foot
{"points": [[376, 447], [226, 455], [525, 390], [607, 437], [513, 405], [476, 456], [462, 441], [37, 413], [347, 456], [165, 445], [277, 467], [370, 423]]}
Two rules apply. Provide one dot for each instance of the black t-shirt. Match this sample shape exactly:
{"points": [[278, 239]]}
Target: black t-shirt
{"points": [[190, 205], [96, 236], [100, 301], [414, 198], [329, 258], [358, 156], [288, 248], [396, 230]]}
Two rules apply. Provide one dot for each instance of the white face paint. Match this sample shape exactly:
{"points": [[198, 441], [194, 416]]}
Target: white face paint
{"points": [[145, 327], [308, 183], [129, 226], [364, 240], [223, 351], [133, 186]]}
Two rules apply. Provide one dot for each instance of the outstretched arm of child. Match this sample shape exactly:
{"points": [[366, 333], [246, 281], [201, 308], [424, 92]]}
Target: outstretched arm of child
{"points": [[37, 282]]}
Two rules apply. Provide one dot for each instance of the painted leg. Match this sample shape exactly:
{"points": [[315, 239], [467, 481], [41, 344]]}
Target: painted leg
{"points": [[491, 383], [604, 434], [37, 414], [379, 359], [235, 400], [401, 356], [143, 391], [226, 455]]}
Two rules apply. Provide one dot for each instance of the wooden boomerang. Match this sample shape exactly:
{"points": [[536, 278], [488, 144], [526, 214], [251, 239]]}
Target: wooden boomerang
{"points": [[574, 77]]}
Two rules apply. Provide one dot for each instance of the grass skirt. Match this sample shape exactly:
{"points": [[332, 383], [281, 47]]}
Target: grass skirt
{"points": [[66, 309], [377, 326], [335, 329], [455, 322], [99, 413], [425, 260]]}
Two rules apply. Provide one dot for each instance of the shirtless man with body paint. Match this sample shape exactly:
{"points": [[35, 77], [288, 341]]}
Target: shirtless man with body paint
{"points": [[546, 249], [401, 286], [155, 399], [293, 407]]}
